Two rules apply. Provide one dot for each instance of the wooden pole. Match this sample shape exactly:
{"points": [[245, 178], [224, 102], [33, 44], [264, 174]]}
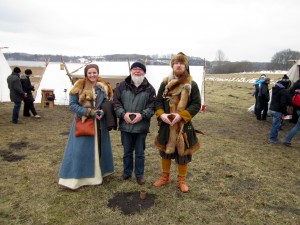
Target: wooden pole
{"points": [[128, 65], [66, 68]]}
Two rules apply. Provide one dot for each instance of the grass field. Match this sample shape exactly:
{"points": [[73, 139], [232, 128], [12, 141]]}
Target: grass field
{"points": [[236, 178]]}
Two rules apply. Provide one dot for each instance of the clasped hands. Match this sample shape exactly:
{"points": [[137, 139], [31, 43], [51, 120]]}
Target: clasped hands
{"points": [[170, 118], [99, 114], [132, 118]]}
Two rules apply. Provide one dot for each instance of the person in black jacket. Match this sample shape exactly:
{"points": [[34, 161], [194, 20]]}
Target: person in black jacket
{"points": [[262, 100], [134, 106], [28, 100], [16, 93], [279, 102]]}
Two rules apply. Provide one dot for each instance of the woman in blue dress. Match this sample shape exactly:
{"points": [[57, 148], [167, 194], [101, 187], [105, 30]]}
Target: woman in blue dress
{"points": [[87, 159]]}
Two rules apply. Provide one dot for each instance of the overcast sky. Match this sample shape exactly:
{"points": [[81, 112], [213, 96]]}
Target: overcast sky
{"points": [[252, 30]]}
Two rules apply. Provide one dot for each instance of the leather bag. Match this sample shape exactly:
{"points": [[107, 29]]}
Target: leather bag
{"points": [[84, 129]]}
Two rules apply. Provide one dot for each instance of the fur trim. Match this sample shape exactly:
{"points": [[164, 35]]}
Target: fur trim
{"points": [[189, 151], [78, 86], [159, 146], [81, 84], [105, 87], [175, 86], [193, 148]]}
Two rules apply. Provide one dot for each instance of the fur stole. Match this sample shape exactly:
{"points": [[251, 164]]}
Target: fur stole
{"points": [[83, 85], [178, 92], [174, 86], [85, 90]]}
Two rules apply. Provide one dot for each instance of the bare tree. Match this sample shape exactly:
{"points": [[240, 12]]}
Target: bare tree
{"points": [[280, 59], [220, 57]]}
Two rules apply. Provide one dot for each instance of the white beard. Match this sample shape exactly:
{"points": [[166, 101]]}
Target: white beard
{"points": [[137, 80]]}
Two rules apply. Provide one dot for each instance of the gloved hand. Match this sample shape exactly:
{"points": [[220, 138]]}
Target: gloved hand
{"points": [[98, 114]]}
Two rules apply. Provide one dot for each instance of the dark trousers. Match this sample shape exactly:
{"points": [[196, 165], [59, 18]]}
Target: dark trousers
{"points": [[16, 111], [29, 106], [261, 108], [133, 142]]}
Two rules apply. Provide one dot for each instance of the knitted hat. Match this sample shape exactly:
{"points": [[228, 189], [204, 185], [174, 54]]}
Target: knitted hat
{"points": [[17, 70], [28, 72], [139, 65], [285, 78], [89, 67]]}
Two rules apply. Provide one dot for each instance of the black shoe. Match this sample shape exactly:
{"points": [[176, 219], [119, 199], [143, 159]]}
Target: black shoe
{"points": [[287, 144], [140, 180], [124, 177], [18, 122]]}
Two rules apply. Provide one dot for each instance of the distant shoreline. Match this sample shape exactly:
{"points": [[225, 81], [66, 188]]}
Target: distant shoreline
{"points": [[26, 63]]}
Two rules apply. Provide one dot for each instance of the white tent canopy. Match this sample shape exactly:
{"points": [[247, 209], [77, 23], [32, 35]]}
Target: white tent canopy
{"points": [[294, 73], [5, 71], [56, 79]]}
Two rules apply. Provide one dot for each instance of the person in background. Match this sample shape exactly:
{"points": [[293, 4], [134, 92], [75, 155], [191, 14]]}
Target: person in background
{"points": [[178, 101], [258, 82], [286, 81], [256, 86], [16, 93], [134, 106], [262, 96], [290, 135], [28, 100], [87, 159], [279, 102]]}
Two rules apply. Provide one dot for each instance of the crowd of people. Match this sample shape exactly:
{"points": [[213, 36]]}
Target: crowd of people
{"points": [[279, 106], [21, 89]]}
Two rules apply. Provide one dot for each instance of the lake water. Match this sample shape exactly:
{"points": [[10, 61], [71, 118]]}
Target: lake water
{"points": [[26, 63]]}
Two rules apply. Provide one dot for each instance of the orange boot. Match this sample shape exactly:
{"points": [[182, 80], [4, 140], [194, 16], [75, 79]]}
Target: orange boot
{"points": [[163, 180], [182, 185]]}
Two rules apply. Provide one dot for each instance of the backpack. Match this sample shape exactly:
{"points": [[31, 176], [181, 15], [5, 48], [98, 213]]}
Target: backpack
{"points": [[296, 98]]}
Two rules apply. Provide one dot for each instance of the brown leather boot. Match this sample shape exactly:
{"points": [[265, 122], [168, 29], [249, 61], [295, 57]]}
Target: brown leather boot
{"points": [[182, 185], [163, 180]]}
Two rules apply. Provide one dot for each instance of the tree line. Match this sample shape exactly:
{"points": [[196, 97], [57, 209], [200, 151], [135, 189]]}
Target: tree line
{"points": [[148, 59], [279, 61]]}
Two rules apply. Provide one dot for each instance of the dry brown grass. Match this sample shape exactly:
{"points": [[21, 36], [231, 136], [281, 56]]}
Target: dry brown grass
{"points": [[236, 178]]}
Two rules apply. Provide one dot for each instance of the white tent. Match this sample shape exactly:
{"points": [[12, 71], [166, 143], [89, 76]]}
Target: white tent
{"points": [[113, 72], [56, 78], [294, 73], [5, 71]]}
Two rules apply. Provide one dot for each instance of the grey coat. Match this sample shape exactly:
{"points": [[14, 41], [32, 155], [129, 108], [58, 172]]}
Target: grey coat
{"points": [[128, 98], [15, 87]]}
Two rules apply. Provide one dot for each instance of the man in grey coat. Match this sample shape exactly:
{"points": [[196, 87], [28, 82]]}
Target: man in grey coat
{"points": [[134, 106], [16, 93]]}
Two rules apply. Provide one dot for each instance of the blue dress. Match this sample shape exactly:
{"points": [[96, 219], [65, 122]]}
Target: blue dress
{"points": [[86, 162]]}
